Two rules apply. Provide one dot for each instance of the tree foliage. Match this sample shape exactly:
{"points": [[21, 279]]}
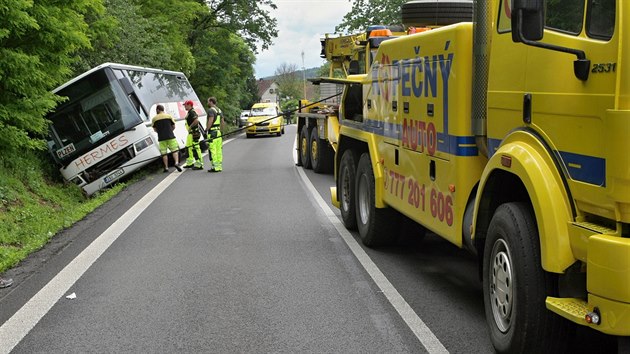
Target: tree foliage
{"points": [[224, 70], [289, 82], [44, 43], [365, 13], [248, 18], [39, 41]]}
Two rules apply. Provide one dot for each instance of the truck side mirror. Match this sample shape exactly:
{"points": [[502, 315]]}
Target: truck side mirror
{"points": [[353, 69], [528, 20]]}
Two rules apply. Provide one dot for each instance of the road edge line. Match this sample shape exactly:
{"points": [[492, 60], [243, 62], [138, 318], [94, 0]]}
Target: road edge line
{"points": [[430, 342]]}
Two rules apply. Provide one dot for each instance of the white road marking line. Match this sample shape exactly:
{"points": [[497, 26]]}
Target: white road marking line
{"points": [[415, 323], [25, 319], [18, 326]]}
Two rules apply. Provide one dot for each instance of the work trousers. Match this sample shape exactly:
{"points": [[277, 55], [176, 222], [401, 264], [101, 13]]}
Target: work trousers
{"points": [[194, 152], [216, 150]]}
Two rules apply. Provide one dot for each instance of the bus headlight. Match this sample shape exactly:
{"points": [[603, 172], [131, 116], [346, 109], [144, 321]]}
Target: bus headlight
{"points": [[143, 144]]}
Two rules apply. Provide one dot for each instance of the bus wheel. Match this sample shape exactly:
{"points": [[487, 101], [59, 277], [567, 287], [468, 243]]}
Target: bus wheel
{"points": [[377, 226], [304, 148], [320, 158], [346, 180], [515, 286]]}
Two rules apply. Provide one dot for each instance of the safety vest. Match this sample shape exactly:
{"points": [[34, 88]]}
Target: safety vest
{"points": [[216, 125]]}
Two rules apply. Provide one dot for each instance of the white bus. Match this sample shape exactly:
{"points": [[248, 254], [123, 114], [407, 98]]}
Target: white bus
{"points": [[103, 132]]}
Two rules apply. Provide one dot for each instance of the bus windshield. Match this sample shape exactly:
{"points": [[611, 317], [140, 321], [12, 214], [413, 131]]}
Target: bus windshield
{"points": [[154, 88], [97, 108]]}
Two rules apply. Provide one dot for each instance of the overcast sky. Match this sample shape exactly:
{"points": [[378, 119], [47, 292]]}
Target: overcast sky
{"points": [[301, 24]]}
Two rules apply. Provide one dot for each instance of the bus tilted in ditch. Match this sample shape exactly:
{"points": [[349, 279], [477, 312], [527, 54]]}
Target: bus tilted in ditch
{"points": [[103, 131]]}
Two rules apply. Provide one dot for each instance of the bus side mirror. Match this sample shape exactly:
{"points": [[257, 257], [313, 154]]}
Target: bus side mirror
{"points": [[353, 69], [528, 20]]}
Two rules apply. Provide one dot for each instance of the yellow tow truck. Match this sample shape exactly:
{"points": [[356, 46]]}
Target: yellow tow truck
{"points": [[508, 136], [317, 123]]}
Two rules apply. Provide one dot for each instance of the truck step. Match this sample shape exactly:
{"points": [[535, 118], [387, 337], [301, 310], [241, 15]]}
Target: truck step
{"points": [[596, 228], [570, 308]]}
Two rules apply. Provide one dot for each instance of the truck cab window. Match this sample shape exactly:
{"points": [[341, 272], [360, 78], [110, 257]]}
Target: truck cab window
{"points": [[565, 15], [353, 103], [600, 21]]}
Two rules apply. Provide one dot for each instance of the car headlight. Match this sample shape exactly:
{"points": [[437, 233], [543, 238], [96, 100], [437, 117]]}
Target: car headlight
{"points": [[275, 121]]}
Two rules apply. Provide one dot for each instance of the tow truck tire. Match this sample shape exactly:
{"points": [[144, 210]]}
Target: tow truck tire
{"points": [[304, 148], [320, 155], [377, 226], [347, 192], [420, 13], [515, 286]]}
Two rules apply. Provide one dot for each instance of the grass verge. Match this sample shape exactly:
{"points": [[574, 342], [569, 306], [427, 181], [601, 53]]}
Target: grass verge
{"points": [[35, 205]]}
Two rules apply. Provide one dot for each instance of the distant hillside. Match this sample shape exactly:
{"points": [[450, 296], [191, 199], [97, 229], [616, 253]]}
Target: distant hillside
{"points": [[310, 72]]}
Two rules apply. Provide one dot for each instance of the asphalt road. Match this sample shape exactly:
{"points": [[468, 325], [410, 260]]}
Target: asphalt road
{"points": [[246, 261]]}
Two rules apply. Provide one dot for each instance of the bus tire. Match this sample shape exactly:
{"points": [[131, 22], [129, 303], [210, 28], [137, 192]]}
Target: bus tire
{"points": [[377, 226], [304, 147], [320, 158], [421, 13], [346, 183], [515, 286]]}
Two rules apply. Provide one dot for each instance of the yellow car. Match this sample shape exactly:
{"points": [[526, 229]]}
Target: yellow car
{"points": [[265, 118]]}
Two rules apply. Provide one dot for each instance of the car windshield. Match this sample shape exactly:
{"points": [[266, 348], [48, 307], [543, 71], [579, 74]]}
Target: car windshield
{"points": [[264, 111]]}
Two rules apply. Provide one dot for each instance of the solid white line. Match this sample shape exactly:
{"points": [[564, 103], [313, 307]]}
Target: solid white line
{"points": [[417, 326], [23, 321], [18, 326]]}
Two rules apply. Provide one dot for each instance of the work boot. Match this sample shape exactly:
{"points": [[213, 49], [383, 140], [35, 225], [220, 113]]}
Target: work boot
{"points": [[5, 283]]}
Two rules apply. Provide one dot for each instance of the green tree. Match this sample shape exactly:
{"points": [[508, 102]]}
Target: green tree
{"points": [[39, 41], [120, 35], [249, 18], [225, 70], [289, 82], [365, 13], [173, 21]]}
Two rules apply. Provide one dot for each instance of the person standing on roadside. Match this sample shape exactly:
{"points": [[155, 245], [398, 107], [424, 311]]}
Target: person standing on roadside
{"points": [[215, 125], [164, 125], [5, 282], [195, 159]]}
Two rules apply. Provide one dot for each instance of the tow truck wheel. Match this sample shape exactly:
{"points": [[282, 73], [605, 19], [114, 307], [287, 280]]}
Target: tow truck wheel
{"points": [[377, 226], [305, 148], [345, 184], [515, 286], [420, 13], [320, 158]]}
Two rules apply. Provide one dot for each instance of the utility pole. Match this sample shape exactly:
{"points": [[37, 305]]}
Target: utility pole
{"points": [[303, 75]]}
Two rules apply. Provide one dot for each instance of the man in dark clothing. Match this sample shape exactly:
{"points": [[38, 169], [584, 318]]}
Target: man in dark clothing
{"points": [[164, 124], [194, 160], [215, 125]]}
